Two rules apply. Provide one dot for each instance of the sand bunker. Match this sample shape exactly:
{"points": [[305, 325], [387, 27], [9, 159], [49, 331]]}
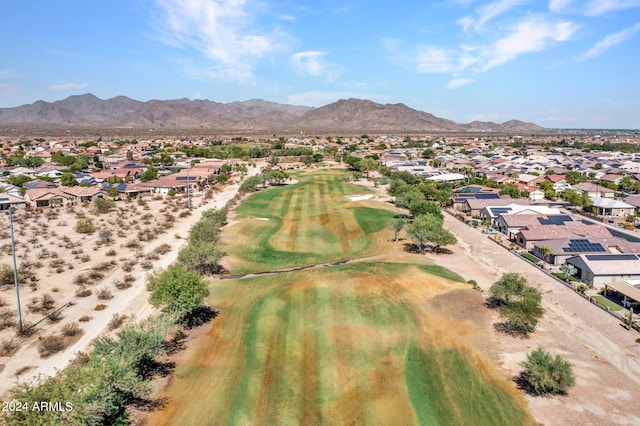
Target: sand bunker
{"points": [[361, 197], [262, 218]]}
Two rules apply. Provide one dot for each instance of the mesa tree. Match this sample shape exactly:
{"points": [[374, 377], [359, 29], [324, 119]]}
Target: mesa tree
{"points": [[397, 228], [547, 374], [428, 228], [177, 289], [520, 305]]}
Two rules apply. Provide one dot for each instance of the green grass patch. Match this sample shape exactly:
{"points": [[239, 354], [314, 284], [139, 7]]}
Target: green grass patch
{"points": [[442, 272], [530, 257], [311, 221], [601, 300], [447, 389], [373, 220], [563, 276]]}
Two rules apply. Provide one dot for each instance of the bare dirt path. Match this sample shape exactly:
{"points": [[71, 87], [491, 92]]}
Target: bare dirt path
{"points": [[132, 302]]}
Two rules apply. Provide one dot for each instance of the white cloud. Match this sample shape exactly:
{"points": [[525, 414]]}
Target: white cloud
{"points": [[487, 12], [220, 30], [458, 82], [434, 60], [559, 5], [531, 35], [68, 86], [602, 7], [309, 62], [431, 59], [611, 40]]}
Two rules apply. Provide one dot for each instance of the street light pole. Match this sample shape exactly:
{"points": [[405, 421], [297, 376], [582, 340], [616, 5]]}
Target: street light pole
{"points": [[15, 269]]}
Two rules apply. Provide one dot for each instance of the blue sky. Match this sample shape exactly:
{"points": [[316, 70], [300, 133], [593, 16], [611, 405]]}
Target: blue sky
{"points": [[558, 63]]}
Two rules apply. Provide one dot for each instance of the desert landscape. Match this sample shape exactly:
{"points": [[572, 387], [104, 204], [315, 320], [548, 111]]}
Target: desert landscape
{"points": [[92, 282]]}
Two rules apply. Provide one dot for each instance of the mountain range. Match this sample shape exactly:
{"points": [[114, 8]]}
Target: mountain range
{"points": [[350, 115]]}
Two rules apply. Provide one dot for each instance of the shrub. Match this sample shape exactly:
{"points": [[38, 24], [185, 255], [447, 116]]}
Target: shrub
{"points": [[100, 307], [582, 288], [103, 205], [85, 318], [55, 316], [116, 321], [50, 345], [8, 347], [71, 329], [163, 249], [104, 294], [83, 292], [546, 374], [85, 226]]}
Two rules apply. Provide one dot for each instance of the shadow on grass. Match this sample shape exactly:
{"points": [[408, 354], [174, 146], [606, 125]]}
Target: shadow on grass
{"points": [[199, 316]]}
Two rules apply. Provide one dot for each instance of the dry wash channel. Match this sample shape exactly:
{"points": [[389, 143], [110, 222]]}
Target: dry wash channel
{"points": [[371, 343]]}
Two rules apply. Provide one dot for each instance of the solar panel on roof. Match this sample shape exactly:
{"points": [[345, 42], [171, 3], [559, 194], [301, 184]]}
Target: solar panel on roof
{"points": [[599, 257], [501, 210], [487, 196], [555, 220], [583, 246]]}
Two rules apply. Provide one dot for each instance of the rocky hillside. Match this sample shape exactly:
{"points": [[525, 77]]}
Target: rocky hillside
{"points": [[351, 115]]}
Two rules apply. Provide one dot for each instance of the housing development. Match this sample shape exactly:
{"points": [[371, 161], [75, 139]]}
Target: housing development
{"points": [[310, 278]]}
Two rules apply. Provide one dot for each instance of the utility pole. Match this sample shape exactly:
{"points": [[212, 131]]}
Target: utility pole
{"points": [[188, 187], [15, 269]]}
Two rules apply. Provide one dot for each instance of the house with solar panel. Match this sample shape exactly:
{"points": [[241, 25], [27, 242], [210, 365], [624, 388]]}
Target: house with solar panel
{"points": [[562, 249], [600, 270], [534, 229]]}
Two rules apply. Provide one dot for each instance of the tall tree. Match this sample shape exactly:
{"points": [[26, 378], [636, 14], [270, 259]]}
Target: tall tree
{"points": [[520, 305], [397, 228]]}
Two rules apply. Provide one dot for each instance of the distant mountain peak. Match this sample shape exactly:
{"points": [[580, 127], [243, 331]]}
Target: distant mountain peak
{"points": [[344, 115]]}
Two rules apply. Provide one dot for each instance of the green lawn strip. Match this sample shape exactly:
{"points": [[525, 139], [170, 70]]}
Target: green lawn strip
{"points": [[324, 314], [373, 220], [530, 257], [446, 388], [606, 302], [442, 272]]}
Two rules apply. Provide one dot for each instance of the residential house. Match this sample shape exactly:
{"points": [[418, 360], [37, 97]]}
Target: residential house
{"points": [[7, 201], [45, 197], [594, 190], [599, 270], [82, 194], [560, 250], [531, 235], [473, 206], [611, 208], [492, 213]]}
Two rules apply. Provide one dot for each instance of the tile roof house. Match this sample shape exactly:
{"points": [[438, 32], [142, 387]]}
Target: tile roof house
{"points": [[564, 248], [7, 201], [43, 197], [594, 190], [81, 193], [610, 207], [597, 270], [529, 236]]}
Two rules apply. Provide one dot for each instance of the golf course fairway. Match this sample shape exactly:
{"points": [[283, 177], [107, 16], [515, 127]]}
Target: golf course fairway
{"points": [[379, 342]]}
